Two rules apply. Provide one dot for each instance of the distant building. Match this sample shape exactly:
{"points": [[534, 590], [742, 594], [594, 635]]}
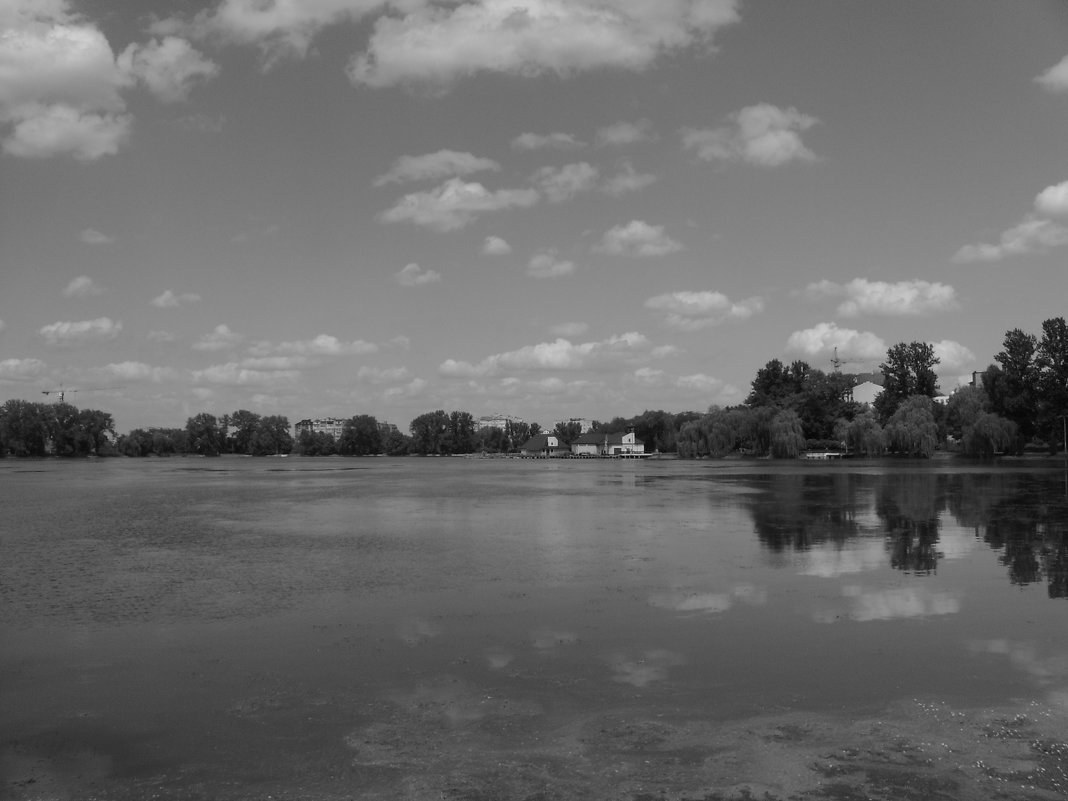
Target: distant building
{"points": [[597, 443], [327, 425], [544, 446], [585, 425], [500, 421], [866, 392]]}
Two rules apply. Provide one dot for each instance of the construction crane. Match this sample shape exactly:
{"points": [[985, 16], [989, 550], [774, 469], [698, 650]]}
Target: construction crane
{"points": [[62, 391]]}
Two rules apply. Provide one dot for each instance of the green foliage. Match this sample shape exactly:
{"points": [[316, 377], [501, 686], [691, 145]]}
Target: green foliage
{"points": [[911, 429], [360, 436], [988, 434], [963, 408], [37, 429], [787, 435], [863, 434], [315, 443], [25, 428], [907, 371], [205, 437]]}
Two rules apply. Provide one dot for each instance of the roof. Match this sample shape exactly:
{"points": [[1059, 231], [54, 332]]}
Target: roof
{"points": [[539, 442], [589, 438]]}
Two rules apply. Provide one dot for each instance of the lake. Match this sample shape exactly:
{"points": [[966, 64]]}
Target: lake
{"points": [[476, 629]]}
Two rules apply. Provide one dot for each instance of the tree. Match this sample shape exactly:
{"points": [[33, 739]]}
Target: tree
{"points": [[863, 434], [911, 429], [429, 432], [238, 430], [360, 436], [271, 436], [1051, 361], [988, 434], [567, 432], [25, 428], [907, 371], [204, 436], [461, 432], [1016, 396], [775, 384], [963, 408], [787, 435]]}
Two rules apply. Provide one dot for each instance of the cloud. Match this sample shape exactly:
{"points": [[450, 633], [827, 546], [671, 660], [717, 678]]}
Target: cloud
{"points": [[81, 287], [560, 354], [868, 605], [547, 265], [2, 325], [59, 85], [1033, 235], [455, 204], [562, 183], [434, 167], [169, 67], [139, 371], [1055, 79], [379, 375], [235, 375], [1037, 233], [103, 329], [553, 141], [221, 338], [764, 135], [437, 44], [627, 180], [414, 275], [952, 355], [693, 311], [279, 29], [626, 133], [638, 239], [91, 236], [21, 369], [569, 329], [495, 246], [900, 299], [170, 300], [321, 345], [822, 340], [1053, 200]]}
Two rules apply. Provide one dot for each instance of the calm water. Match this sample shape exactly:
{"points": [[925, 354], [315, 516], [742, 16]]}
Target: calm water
{"points": [[500, 629]]}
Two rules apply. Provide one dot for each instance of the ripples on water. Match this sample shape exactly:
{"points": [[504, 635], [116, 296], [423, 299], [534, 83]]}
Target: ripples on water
{"points": [[475, 629]]}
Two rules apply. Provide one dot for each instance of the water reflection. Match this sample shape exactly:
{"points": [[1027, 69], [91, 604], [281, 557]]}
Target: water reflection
{"points": [[834, 523]]}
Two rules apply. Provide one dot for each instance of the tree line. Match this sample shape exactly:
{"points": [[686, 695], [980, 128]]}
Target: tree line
{"points": [[1019, 404]]}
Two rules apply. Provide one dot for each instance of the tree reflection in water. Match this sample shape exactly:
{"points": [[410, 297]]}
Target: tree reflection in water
{"points": [[1021, 514]]}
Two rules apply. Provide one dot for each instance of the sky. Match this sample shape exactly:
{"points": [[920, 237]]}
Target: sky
{"points": [[543, 208]]}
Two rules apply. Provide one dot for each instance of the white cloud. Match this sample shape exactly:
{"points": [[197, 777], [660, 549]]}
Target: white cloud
{"points": [[553, 141], [91, 236], [952, 356], [59, 85], [900, 299], [279, 29], [21, 369], [2, 325], [379, 375], [626, 133], [81, 287], [414, 275], [455, 204], [764, 135], [1037, 233], [822, 340], [569, 329], [170, 300], [437, 44], [1053, 200], [627, 180], [558, 355], [413, 389], [637, 238], [103, 329], [169, 67], [161, 336], [235, 375], [495, 246], [693, 311], [220, 338], [1033, 235], [562, 183], [139, 371], [434, 167], [321, 345], [1056, 77], [547, 265]]}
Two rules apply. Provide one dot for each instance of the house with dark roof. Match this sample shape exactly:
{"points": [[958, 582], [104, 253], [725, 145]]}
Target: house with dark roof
{"points": [[598, 443], [544, 446]]}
